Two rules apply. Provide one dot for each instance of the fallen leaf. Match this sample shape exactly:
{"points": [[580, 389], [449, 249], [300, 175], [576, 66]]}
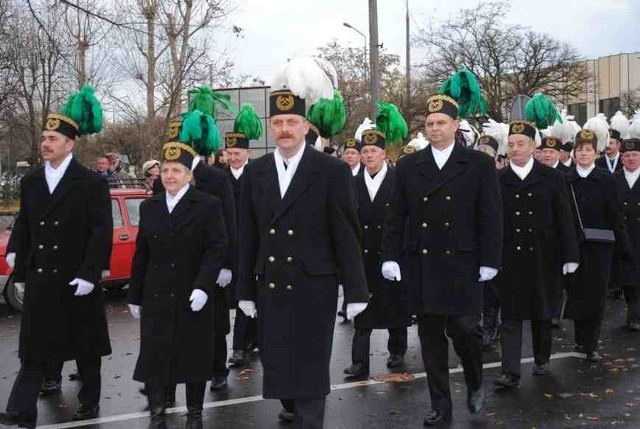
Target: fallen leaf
{"points": [[609, 391], [548, 395], [490, 414], [593, 418], [395, 378]]}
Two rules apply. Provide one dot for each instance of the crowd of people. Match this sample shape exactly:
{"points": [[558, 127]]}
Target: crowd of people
{"points": [[466, 237]]}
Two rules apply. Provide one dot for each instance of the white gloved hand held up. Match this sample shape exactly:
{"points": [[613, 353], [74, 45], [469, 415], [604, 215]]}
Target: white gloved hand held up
{"points": [[135, 310], [248, 308], [569, 268], [10, 259], [391, 271], [224, 278], [83, 287], [487, 273], [198, 299], [355, 308]]}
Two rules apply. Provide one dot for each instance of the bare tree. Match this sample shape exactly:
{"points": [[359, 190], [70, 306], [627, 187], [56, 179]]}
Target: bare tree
{"points": [[630, 102]]}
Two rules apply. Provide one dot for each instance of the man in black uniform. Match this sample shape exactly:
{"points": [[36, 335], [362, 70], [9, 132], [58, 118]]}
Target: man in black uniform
{"points": [[300, 238], [610, 161], [450, 197], [550, 153], [65, 229], [351, 155]]}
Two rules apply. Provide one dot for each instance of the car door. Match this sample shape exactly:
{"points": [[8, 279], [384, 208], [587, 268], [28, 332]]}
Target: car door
{"points": [[132, 212], [121, 252]]}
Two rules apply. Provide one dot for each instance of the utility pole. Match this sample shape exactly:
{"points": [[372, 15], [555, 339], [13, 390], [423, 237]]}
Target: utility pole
{"points": [[408, 66], [373, 55]]}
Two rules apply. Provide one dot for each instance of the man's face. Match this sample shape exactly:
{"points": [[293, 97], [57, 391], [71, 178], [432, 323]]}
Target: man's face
{"points": [[351, 157], [521, 149], [55, 147], [441, 129], [631, 160], [288, 130], [549, 156], [224, 157], [564, 156], [373, 157], [174, 176], [102, 165], [612, 148], [238, 157]]}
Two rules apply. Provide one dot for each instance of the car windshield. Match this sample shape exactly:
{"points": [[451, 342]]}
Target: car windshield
{"points": [[116, 214], [133, 210]]}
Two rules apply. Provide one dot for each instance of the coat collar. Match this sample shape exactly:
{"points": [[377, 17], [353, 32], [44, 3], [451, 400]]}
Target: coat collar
{"points": [[435, 177], [537, 174], [182, 212], [367, 208], [74, 174], [596, 175]]}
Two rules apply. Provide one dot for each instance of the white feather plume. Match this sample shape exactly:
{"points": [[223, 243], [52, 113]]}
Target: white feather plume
{"points": [[567, 130], [498, 131], [599, 125], [419, 142], [469, 132], [367, 124], [620, 123], [633, 132], [308, 78]]}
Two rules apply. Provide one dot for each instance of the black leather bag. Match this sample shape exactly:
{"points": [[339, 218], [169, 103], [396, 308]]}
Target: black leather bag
{"points": [[593, 235]]}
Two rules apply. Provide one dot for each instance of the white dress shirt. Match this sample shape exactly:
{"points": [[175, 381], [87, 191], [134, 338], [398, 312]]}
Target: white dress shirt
{"points": [[615, 160], [442, 156], [556, 164], [173, 201], [568, 163], [237, 173], [522, 172], [631, 176], [373, 183], [54, 175], [584, 172], [286, 175], [356, 169]]}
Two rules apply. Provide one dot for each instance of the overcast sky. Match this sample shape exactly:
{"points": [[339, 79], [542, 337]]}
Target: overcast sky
{"points": [[278, 29]]}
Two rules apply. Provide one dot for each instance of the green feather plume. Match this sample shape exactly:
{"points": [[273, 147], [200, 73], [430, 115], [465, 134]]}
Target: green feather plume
{"points": [[329, 116], [541, 111], [84, 108], [248, 123], [390, 121], [206, 100], [200, 132], [465, 89]]}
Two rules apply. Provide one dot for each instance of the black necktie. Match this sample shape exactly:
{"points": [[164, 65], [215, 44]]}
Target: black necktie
{"points": [[286, 164], [612, 161]]}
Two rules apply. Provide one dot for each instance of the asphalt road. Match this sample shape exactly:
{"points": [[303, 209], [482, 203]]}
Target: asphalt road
{"points": [[576, 394]]}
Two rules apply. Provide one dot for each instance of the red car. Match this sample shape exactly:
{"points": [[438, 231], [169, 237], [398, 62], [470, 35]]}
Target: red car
{"points": [[125, 209]]}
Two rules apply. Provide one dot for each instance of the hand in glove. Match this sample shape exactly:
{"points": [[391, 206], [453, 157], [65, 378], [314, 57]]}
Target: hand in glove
{"points": [[19, 290], [355, 308], [10, 259], [135, 310], [569, 268], [248, 308], [198, 299], [224, 278], [391, 271], [83, 287], [487, 273]]}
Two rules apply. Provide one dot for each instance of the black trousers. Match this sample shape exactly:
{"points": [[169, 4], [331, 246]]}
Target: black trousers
{"points": [[245, 331], [307, 413], [632, 298], [466, 333], [397, 344], [26, 387], [511, 344], [194, 394], [587, 332], [220, 355]]}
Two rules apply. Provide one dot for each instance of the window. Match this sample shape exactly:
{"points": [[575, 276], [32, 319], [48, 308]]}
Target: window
{"points": [[579, 112], [609, 106], [133, 210], [116, 214]]}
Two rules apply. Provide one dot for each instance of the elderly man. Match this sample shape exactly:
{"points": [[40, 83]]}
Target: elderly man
{"points": [[550, 153], [611, 159]]}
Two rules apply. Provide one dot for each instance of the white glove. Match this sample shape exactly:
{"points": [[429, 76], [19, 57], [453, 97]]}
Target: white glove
{"points": [[224, 278], [10, 259], [84, 287], [569, 268], [487, 273], [19, 290], [391, 271], [198, 299], [355, 308], [135, 310], [104, 274], [248, 308]]}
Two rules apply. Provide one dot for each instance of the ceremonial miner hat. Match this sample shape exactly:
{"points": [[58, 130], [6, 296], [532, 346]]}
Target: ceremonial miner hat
{"points": [[247, 126], [351, 143], [586, 135], [81, 115], [628, 145], [406, 150], [175, 151], [489, 141], [551, 142]]}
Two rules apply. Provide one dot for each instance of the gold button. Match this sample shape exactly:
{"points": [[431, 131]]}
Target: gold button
{"points": [[290, 232], [517, 195], [424, 224], [366, 250], [518, 248], [379, 226], [448, 252], [41, 246], [447, 224], [517, 213], [425, 199], [55, 271], [39, 270], [41, 223], [448, 198], [425, 251], [56, 223], [289, 259], [530, 249], [518, 230], [366, 227], [55, 247], [272, 286], [272, 231], [272, 259], [530, 213], [529, 194], [289, 287]]}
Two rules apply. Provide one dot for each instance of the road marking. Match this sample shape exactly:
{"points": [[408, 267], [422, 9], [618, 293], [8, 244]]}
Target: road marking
{"points": [[249, 399]]}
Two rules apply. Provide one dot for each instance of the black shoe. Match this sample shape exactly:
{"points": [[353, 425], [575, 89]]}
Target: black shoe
{"points": [[50, 387], [395, 361], [556, 323], [218, 383], [74, 376], [435, 418], [194, 416], [593, 356], [506, 382], [541, 369], [86, 412], [356, 370], [237, 358], [194, 424], [475, 400], [633, 326], [342, 314], [158, 418], [12, 418], [286, 416]]}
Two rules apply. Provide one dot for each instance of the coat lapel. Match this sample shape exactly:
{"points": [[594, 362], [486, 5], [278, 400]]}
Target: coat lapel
{"points": [[270, 185], [183, 211], [70, 180], [365, 205], [455, 165], [305, 174]]}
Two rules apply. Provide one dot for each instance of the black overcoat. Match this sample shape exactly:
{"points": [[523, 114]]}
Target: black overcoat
{"points": [[62, 236], [599, 207], [388, 300], [299, 247], [454, 227], [603, 161], [539, 237], [175, 254], [629, 269]]}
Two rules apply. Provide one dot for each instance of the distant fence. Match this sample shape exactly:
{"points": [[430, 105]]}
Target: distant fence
{"points": [[9, 190]]}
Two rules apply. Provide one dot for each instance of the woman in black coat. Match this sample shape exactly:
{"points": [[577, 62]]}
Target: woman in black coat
{"points": [[180, 250], [594, 197]]}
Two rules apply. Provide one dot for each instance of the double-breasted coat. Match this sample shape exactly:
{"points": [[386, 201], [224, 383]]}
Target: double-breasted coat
{"points": [[599, 207], [389, 302], [177, 253], [454, 227], [61, 236], [214, 181], [629, 269], [539, 237], [299, 247]]}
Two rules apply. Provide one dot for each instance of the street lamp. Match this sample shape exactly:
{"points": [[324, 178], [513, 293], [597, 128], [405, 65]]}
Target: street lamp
{"points": [[366, 71]]}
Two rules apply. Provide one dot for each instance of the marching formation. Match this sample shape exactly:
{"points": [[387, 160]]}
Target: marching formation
{"points": [[467, 233]]}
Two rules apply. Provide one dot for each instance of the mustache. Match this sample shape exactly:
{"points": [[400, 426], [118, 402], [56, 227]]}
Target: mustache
{"points": [[285, 136]]}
